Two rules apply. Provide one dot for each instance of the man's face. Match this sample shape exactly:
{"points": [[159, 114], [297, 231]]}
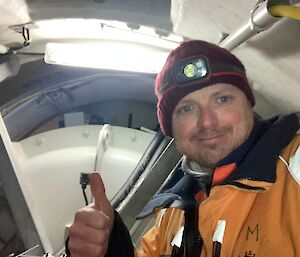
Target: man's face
{"points": [[209, 123]]}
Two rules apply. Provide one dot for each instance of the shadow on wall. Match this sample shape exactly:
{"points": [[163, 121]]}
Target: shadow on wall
{"points": [[10, 239]]}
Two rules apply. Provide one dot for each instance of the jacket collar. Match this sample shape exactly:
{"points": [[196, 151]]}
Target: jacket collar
{"points": [[269, 145]]}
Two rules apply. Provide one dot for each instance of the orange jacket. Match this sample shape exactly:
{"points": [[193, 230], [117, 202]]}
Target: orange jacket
{"points": [[257, 215]]}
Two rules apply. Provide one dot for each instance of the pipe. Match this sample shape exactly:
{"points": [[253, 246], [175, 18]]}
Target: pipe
{"points": [[260, 20], [292, 12]]}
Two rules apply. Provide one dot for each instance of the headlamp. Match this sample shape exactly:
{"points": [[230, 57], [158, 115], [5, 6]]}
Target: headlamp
{"points": [[190, 70], [196, 69]]}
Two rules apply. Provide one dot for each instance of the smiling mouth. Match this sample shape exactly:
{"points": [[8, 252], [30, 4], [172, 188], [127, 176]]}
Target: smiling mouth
{"points": [[210, 138]]}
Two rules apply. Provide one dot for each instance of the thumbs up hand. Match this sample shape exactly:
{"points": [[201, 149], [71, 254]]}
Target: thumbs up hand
{"points": [[90, 231]]}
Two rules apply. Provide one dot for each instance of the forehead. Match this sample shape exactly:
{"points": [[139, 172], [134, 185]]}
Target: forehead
{"points": [[214, 90]]}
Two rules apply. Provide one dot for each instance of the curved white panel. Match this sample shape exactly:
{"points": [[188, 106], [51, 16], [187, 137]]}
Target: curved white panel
{"points": [[50, 166]]}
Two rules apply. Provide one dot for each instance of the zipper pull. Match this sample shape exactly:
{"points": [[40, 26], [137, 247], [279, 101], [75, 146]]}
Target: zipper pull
{"points": [[218, 238], [177, 240]]}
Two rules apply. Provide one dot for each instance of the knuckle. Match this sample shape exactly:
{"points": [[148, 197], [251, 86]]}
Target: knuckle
{"points": [[72, 230], [103, 222], [87, 250], [96, 250], [103, 237], [78, 215]]}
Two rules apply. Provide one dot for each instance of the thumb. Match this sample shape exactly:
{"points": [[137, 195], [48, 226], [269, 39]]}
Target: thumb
{"points": [[98, 192]]}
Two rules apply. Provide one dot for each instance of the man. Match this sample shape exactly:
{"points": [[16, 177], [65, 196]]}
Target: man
{"points": [[238, 193]]}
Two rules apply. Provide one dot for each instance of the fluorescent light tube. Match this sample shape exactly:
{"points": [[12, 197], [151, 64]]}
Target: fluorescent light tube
{"points": [[107, 55]]}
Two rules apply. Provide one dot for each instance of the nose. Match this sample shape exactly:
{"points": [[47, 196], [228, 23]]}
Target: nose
{"points": [[207, 118]]}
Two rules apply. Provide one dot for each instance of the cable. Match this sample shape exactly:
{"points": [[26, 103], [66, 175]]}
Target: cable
{"points": [[84, 181], [84, 195]]}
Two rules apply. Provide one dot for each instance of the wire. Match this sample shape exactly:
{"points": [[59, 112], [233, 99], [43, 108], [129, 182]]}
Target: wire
{"points": [[84, 195], [84, 181]]}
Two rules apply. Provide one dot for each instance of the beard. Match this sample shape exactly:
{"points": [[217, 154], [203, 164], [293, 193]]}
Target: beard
{"points": [[207, 155], [205, 159]]}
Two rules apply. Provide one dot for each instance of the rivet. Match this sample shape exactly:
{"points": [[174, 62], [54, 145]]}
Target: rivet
{"points": [[86, 132], [133, 137], [40, 140]]}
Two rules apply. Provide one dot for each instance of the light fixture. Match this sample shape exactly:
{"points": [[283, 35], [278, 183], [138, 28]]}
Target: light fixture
{"points": [[105, 44], [107, 55], [93, 29]]}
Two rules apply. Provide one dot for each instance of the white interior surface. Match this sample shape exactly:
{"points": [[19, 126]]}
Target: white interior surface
{"points": [[271, 57], [51, 164]]}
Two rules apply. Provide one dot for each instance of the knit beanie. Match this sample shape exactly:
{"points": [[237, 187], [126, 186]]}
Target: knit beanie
{"points": [[193, 65]]}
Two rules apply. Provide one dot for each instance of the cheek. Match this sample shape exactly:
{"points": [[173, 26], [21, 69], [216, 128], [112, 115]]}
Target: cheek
{"points": [[182, 128], [241, 122], [179, 131], [234, 120]]}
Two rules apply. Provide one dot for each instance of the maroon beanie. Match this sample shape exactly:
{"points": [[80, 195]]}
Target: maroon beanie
{"points": [[173, 82]]}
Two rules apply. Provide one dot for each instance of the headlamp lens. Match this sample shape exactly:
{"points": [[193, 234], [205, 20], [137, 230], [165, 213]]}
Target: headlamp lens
{"points": [[190, 70]]}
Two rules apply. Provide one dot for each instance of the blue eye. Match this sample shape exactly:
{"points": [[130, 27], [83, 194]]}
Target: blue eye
{"points": [[186, 108], [183, 109], [224, 99]]}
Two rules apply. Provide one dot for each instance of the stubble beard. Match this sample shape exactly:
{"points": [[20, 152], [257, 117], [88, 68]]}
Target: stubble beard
{"points": [[206, 159], [208, 155]]}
